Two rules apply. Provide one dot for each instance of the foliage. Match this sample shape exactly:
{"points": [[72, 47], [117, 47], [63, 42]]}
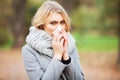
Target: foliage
{"points": [[5, 38], [31, 8], [85, 18], [100, 16]]}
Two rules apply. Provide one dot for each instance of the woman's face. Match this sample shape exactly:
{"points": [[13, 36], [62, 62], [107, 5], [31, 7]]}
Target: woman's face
{"points": [[54, 20]]}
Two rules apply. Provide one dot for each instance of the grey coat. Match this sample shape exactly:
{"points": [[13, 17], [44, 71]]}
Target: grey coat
{"points": [[43, 67]]}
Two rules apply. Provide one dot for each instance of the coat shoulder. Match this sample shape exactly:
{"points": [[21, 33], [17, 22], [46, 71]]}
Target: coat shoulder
{"points": [[27, 48]]}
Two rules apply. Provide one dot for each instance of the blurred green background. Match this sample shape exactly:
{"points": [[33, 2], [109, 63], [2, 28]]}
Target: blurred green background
{"points": [[95, 26]]}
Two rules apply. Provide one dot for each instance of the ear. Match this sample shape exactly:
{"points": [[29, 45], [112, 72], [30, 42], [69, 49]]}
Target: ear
{"points": [[41, 27]]}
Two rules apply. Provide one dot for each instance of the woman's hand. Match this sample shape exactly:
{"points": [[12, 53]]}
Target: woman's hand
{"points": [[65, 46], [58, 45]]}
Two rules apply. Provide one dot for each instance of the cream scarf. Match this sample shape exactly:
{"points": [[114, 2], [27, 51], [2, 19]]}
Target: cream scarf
{"points": [[42, 41]]}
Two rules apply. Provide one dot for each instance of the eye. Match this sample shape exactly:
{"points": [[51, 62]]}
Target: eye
{"points": [[53, 22], [62, 22]]}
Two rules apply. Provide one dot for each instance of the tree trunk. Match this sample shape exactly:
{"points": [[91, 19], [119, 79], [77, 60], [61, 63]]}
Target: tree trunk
{"points": [[18, 21], [118, 61], [69, 5]]}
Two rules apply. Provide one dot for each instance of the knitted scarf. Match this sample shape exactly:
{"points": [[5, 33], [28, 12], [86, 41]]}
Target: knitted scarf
{"points": [[42, 41]]}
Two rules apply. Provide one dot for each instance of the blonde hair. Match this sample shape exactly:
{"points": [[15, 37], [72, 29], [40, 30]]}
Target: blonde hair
{"points": [[47, 8]]}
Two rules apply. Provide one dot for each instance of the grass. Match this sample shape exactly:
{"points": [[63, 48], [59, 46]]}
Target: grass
{"points": [[96, 43]]}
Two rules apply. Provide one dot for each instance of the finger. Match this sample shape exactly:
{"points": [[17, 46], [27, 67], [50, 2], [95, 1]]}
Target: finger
{"points": [[64, 34], [55, 38], [65, 40], [61, 42], [65, 43], [59, 37]]}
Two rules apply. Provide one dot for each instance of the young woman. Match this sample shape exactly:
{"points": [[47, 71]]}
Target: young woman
{"points": [[50, 52]]}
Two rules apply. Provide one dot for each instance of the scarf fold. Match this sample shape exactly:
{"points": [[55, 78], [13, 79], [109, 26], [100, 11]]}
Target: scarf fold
{"points": [[42, 41]]}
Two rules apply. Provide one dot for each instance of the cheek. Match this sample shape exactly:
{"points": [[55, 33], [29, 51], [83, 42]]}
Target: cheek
{"points": [[49, 29]]}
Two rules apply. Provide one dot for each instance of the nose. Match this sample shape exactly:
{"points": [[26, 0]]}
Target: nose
{"points": [[59, 25], [59, 28]]}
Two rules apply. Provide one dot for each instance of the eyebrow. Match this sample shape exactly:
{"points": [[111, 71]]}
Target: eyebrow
{"points": [[62, 20], [56, 20]]}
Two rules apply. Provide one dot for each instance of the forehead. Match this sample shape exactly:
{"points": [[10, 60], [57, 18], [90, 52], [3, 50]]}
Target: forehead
{"points": [[55, 17]]}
